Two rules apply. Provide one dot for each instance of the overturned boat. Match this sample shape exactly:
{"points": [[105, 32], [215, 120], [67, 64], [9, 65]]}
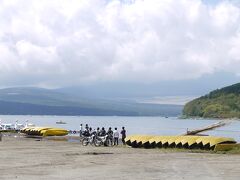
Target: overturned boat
{"points": [[44, 131], [187, 142]]}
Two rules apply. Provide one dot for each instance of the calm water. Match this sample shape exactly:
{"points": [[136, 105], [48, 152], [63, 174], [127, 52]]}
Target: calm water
{"points": [[134, 125]]}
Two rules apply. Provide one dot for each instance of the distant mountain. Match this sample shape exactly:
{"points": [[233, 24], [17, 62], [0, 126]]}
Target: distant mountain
{"points": [[221, 103], [38, 101], [142, 89], [13, 108]]}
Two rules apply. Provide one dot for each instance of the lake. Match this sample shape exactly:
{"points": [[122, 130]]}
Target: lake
{"points": [[133, 125]]}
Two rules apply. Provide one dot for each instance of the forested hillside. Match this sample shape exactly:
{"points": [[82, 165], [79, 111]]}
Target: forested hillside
{"points": [[221, 103]]}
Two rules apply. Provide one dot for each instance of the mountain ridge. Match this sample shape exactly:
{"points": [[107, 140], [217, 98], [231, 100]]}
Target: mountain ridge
{"points": [[42, 101]]}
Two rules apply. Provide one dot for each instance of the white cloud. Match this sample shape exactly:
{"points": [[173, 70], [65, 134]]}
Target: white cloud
{"points": [[67, 42]]}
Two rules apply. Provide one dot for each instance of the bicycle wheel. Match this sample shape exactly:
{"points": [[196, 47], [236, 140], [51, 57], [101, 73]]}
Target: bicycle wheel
{"points": [[97, 142], [81, 139], [85, 142]]}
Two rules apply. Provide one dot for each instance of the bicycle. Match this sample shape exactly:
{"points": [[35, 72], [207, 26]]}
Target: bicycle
{"points": [[103, 140], [88, 140]]}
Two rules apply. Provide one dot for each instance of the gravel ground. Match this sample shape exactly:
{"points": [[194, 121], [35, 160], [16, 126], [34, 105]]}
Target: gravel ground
{"points": [[31, 159]]}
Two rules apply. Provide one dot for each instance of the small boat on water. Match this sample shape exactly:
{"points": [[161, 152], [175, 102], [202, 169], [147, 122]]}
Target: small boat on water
{"points": [[61, 122]]}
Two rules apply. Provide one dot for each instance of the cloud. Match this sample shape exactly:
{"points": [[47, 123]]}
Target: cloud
{"points": [[69, 42]]}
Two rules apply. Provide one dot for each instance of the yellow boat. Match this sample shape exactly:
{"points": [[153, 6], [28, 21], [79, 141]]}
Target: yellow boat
{"points": [[188, 141], [156, 141], [145, 141], [54, 132], [171, 141], [164, 141], [45, 131], [136, 141], [128, 140], [202, 142]]}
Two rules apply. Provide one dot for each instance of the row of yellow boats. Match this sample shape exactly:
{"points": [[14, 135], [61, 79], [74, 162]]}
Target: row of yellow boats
{"points": [[189, 142], [150, 141], [44, 131]]}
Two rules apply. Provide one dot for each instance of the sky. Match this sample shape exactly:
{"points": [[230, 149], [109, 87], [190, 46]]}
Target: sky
{"points": [[67, 43]]}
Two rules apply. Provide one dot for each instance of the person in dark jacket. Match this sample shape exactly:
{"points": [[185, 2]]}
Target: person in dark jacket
{"points": [[110, 134], [103, 132], [123, 133], [86, 132], [98, 131]]}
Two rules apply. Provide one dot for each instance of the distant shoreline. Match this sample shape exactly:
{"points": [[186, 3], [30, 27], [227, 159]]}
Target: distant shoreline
{"points": [[88, 115]]}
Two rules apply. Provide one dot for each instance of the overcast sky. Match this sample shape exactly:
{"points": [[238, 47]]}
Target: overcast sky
{"points": [[57, 43]]}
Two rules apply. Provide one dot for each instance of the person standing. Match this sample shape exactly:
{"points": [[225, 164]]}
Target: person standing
{"points": [[103, 132], [98, 131], [90, 131], [86, 132], [81, 130], [123, 133], [110, 135], [115, 137], [86, 127]]}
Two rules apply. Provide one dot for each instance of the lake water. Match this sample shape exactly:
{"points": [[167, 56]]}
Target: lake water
{"points": [[134, 125]]}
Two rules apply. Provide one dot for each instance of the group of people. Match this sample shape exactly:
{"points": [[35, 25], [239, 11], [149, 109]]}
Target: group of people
{"points": [[113, 135]]}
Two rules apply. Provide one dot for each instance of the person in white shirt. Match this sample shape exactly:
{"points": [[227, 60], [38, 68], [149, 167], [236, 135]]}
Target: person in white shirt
{"points": [[81, 130], [115, 136], [90, 131]]}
